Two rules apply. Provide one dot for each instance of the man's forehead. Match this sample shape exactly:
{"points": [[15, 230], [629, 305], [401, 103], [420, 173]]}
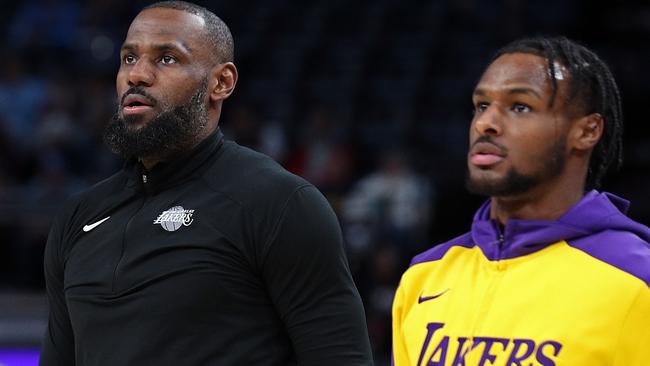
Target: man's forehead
{"points": [[517, 67], [521, 69], [171, 24]]}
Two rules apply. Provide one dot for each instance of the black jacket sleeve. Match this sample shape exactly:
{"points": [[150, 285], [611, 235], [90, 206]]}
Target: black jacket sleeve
{"points": [[308, 278], [58, 342]]}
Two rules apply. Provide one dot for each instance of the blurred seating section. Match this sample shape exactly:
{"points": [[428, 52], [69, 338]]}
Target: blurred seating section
{"points": [[368, 99]]}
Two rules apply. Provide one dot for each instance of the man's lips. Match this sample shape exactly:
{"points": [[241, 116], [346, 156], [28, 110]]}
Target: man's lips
{"points": [[484, 154], [136, 104], [136, 109]]}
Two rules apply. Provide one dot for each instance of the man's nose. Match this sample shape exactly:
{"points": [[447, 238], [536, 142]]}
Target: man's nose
{"points": [[489, 121], [141, 73]]}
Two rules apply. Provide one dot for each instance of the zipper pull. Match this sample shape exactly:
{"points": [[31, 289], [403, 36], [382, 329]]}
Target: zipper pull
{"points": [[144, 178], [500, 265]]}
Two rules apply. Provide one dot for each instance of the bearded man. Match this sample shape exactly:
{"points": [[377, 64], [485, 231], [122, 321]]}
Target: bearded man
{"points": [[199, 251]]}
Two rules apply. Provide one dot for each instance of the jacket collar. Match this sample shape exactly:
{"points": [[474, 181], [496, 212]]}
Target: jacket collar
{"points": [[174, 171], [593, 213]]}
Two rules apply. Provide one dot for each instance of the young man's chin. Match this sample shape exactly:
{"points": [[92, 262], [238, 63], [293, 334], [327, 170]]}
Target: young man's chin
{"points": [[512, 184]]}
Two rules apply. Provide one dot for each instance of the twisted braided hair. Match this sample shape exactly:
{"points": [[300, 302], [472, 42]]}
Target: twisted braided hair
{"points": [[592, 89]]}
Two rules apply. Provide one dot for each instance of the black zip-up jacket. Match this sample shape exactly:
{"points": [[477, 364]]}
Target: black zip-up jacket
{"points": [[219, 257]]}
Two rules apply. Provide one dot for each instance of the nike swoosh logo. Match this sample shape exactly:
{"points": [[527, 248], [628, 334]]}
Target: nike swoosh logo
{"points": [[422, 299], [87, 228]]}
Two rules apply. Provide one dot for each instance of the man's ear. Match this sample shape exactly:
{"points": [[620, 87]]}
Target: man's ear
{"points": [[222, 84], [587, 131]]}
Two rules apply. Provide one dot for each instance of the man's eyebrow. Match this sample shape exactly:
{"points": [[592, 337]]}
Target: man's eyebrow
{"points": [[162, 47], [479, 92]]}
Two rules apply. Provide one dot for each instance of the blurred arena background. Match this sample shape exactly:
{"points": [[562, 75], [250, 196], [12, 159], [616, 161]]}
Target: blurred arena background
{"points": [[368, 99]]}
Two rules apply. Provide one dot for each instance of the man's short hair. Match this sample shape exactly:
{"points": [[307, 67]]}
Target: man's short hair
{"points": [[217, 32]]}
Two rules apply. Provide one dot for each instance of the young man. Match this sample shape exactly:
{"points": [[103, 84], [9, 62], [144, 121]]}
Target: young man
{"points": [[199, 252], [552, 271]]}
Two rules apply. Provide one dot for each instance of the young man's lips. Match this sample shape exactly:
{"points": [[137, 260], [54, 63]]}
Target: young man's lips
{"points": [[486, 154], [485, 159]]}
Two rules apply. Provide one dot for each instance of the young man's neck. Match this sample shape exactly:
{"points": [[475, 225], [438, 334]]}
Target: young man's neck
{"points": [[540, 203]]}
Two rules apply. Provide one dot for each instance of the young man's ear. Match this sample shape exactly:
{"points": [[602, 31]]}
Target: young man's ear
{"points": [[587, 131], [224, 79]]}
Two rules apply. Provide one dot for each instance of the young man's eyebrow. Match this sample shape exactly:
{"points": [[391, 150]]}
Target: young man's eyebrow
{"points": [[525, 91], [517, 90]]}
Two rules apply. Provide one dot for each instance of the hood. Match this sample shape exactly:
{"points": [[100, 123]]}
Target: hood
{"points": [[594, 213]]}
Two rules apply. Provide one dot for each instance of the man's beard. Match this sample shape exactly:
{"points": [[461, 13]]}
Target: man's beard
{"points": [[172, 131], [515, 183]]}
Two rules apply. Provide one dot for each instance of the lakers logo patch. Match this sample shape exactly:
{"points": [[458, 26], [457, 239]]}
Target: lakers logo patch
{"points": [[174, 218]]}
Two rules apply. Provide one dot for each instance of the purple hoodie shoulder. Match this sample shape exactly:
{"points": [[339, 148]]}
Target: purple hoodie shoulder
{"points": [[616, 239], [596, 225], [439, 251]]}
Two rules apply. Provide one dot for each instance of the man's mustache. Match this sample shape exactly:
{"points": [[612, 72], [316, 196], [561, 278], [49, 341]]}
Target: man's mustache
{"points": [[489, 140], [140, 91]]}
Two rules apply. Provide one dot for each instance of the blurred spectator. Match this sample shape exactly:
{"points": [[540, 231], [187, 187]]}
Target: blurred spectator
{"points": [[273, 141], [393, 202], [323, 155], [55, 126], [245, 125], [22, 96], [53, 182]]}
